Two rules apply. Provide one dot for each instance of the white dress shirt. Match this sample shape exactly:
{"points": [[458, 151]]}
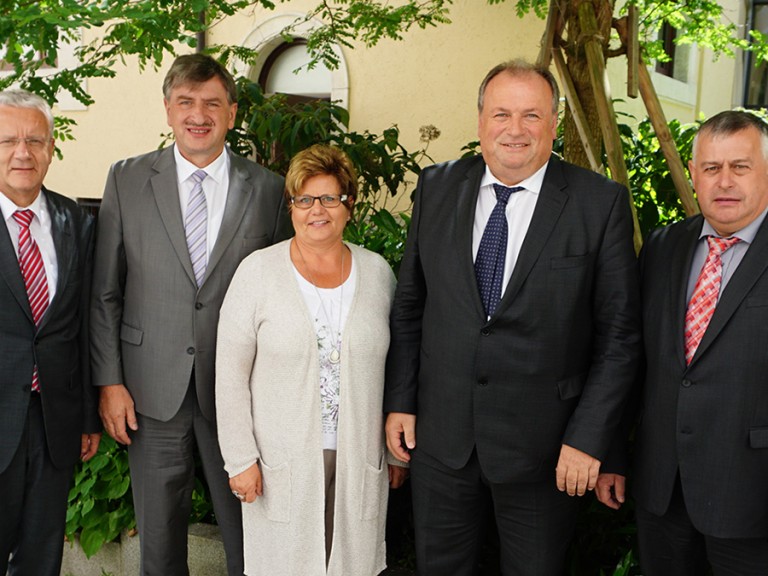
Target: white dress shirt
{"points": [[519, 213], [40, 229], [215, 188]]}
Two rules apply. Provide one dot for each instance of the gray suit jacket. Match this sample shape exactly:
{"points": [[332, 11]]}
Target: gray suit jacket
{"points": [[707, 420], [556, 361], [149, 322], [59, 345]]}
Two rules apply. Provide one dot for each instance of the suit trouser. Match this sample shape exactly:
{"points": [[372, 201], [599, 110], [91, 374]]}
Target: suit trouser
{"points": [[535, 521], [33, 504], [161, 457], [670, 545]]}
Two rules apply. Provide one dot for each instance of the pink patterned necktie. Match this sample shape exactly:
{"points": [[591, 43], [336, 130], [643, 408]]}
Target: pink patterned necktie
{"points": [[33, 272], [704, 298]]}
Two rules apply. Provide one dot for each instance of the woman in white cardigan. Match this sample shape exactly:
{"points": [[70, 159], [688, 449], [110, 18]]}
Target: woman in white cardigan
{"points": [[302, 343]]}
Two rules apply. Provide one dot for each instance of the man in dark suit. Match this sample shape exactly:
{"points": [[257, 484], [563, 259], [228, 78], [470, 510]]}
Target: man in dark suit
{"points": [[701, 455], [510, 399], [173, 227], [49, 416]]}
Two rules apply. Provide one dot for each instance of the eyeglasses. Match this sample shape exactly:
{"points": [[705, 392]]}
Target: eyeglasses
{"points": [[34, 143], [306, 202]]}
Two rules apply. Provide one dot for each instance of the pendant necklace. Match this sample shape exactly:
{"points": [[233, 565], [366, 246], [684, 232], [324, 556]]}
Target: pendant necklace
{"points": [[335, 355]]}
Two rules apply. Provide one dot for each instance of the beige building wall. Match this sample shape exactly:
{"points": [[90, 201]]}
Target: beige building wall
{"points": [[430, 77]]}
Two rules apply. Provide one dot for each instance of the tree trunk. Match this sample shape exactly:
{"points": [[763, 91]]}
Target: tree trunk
{"points": [[576, 60]]}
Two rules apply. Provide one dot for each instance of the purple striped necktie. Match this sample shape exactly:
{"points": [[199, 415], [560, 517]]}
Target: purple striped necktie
{"points": [[196, 227]]}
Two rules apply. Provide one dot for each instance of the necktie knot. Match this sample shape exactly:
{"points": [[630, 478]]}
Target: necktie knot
{"points": [[719, 245], [198, 176], [504, 192], [23, 217]]}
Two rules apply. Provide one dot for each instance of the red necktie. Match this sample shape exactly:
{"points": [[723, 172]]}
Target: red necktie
{"points": [[704, 298], [33, 271]]}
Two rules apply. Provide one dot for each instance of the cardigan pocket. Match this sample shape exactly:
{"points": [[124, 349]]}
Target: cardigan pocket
{"points": [[277, 492], [372, 492]]}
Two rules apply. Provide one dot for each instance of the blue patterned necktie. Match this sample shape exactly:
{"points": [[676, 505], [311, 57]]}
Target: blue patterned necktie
{"points": [[196, 226], [489, 263]]}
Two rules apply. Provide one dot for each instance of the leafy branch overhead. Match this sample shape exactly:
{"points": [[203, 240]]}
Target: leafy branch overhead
{"points": [[33, 34]]}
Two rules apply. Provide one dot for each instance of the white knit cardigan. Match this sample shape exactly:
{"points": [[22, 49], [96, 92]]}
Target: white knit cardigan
{"points": [[268, 410]]}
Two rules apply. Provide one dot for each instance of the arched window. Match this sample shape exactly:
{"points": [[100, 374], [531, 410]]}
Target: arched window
{"points": [[286, 71], [277, 60]]}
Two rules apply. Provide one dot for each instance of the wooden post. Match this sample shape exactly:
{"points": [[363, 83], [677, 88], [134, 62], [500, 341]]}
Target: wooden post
{"points": [[607, 115], [633, 51], [667, 143], [551, 32]]}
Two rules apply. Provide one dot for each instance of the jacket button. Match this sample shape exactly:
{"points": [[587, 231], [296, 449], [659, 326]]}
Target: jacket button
{"points": [[685, 430], [687, 383], [485, 331], [198, 305], [482, 382], [190, 350]]}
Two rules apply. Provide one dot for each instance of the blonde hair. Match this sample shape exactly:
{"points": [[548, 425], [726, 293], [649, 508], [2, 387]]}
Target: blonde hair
{"points": [[317, 160]]}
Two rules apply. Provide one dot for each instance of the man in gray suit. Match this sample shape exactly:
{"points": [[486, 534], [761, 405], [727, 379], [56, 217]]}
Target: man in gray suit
{"points": [[49, 416], [505, 394], [173, 227], [701, 454]]}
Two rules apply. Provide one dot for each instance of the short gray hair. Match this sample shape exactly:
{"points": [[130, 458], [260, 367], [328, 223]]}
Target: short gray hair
{"points": [[730, 122], [18, 98], [520, 67]]}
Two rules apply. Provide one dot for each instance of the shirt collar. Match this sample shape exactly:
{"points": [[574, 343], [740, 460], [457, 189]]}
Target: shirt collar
{"points": [[533, 183], [8, 207], [215, 170], [746, 234]]}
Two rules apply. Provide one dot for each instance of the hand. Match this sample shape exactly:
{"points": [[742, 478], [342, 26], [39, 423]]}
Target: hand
{"points": [[401, 427], [576, 471], [89, 445], [397, 475], [116, 411], [611, 490], [247, 484]]}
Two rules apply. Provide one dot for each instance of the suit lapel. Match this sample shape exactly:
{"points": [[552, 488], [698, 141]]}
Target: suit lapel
{"points": [[11, 272], [63, 242], [549, 206], [679, 271], [238, 197], [166, 191], [751, 268], [466, 206]]}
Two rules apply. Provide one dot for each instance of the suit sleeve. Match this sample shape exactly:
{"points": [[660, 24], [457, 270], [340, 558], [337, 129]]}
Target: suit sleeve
{"points": [[616, 336], [401, 385], [283, 226], [108, 285], [91, 420]]}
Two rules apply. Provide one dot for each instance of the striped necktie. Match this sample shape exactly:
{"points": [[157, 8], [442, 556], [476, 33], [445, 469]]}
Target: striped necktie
{"points": [[196, 227], [33, 272], [705, 294]]}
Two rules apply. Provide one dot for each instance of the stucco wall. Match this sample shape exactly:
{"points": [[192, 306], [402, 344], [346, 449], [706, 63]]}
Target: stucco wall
{"points": [[429, 78]]}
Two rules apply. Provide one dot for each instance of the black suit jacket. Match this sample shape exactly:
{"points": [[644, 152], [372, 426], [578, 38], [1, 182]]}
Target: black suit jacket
{"points": [[59, 346], [709, 419], [556, 361]]}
